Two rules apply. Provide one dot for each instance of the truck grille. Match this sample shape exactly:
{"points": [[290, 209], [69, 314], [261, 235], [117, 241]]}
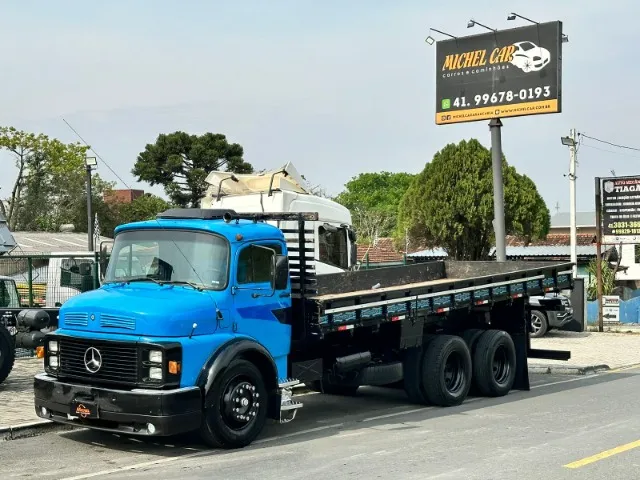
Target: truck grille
{"points": [[119, 361]]}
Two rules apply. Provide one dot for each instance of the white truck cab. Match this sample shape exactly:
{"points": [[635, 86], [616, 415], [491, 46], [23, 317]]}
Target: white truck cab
{"points": [[283, 190]]}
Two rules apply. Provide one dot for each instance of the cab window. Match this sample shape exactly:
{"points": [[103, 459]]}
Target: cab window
{"points": [[332, 243], [254, 263]]}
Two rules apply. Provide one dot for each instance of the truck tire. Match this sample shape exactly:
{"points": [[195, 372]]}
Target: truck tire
{"points": [[494, 364], [412, 372], [7, 353], [539, 324], [446, 371], [236, 407], [471, 337]]}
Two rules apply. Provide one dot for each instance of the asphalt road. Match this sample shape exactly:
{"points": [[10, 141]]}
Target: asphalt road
{"points": [[558, 430]]}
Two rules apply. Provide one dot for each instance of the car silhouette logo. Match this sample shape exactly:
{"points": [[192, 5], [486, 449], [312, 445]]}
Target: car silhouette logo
{"points": [[92, 360], [529, 57]]}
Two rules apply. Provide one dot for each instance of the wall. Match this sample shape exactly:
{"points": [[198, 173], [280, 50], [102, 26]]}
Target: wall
{"points": [[629, 260], [629, 311]]}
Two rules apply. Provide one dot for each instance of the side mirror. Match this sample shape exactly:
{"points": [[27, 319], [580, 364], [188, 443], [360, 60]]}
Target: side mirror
{"points": [[281, 272]]}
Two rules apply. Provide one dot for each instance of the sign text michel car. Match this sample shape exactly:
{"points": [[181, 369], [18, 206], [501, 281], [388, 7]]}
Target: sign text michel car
{"points": [[508, 73]]}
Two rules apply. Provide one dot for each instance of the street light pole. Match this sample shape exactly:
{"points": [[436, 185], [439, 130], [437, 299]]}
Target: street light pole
{"points": [[572, 195], [570, 141], [89, 163]]}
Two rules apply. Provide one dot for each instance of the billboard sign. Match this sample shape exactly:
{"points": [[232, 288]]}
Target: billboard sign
{"points": [[620, 210], [507, 73]]}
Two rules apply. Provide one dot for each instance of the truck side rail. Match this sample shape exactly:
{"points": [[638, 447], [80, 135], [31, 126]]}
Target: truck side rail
{"points": [[398, 303]]}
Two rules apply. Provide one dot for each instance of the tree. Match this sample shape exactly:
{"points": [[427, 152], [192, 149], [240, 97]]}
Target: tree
{"points": [[145, 207], [450, 203], [373, 199], [181, 162], [50, 173]]}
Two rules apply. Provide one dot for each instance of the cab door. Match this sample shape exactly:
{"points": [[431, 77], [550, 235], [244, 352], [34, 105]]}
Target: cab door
{"points": [[260, 309]]}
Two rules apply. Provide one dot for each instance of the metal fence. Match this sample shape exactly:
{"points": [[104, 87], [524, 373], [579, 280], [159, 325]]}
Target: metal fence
{"points": [[366, 264], [48, 280]]}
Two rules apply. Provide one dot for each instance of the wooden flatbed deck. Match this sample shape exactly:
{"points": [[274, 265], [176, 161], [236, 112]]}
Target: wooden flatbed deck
{"points": [[336, 296]]}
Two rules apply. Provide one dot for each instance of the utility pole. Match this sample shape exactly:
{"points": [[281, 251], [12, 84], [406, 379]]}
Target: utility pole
{"points": [[571, 142], [572, 195]]}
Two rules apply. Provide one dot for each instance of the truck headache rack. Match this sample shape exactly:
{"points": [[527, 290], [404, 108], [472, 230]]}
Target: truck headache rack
{"points": [[229, 215]]}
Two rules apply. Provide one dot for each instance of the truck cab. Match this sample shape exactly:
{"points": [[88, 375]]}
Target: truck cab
{"points": [[190, 330]]}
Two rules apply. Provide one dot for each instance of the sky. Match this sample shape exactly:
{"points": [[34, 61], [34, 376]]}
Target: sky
{"points": [[337, 88]]}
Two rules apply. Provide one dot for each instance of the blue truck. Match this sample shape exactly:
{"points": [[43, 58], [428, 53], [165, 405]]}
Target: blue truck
{"points": [[207, 319]]}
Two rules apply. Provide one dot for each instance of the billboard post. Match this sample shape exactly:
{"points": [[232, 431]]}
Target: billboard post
{"points": [[599, 252], [495, 126]]}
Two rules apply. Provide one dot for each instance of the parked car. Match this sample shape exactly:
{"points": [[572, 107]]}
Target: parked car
{"points": [[548, 312]]}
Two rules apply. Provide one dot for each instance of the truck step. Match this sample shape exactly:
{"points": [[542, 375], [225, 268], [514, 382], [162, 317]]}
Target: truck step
{"points": [[288, 382], [291, 405], [288, 410]]}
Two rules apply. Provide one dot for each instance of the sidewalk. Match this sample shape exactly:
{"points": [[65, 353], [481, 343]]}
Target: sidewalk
{"points": [[590, 351], [16, 397]]}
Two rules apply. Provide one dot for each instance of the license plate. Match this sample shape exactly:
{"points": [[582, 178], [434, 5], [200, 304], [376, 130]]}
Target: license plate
{"points": [[84, 409]]}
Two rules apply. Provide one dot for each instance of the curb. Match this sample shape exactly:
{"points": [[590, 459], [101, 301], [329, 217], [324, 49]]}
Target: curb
{"points": [[31, 429], [568, 370]]}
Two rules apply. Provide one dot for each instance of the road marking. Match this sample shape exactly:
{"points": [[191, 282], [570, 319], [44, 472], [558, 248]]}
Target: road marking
{"points": [[603, 455]]}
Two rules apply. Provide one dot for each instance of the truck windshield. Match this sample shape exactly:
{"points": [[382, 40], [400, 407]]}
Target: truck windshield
{"points": [[169, 256]]}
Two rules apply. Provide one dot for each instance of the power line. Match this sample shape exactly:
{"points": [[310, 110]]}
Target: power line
{"points": [[610, 143], [610, 151], [97, 154]]}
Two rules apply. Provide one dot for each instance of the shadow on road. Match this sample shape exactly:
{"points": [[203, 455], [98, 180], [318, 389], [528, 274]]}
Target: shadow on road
{"points": [[325, 416]]}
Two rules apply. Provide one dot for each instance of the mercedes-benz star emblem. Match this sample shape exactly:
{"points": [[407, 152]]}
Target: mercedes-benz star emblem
{"points": [[92, 360]]}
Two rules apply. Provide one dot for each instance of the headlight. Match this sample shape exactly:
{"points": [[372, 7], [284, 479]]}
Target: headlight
{"points": [[53, 362], [155, 373], [53, 346], [155, 356]]}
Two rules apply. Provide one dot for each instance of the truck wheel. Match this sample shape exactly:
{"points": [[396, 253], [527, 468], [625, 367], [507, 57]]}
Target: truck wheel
{"points": [[412, 372], [494, 363], [446, 371], [471, 337], [539, 324], [7, 353], [235, 407]]}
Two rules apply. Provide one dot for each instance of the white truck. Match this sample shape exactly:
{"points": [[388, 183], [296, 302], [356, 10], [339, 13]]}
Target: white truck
{"points": [[283, 190]]}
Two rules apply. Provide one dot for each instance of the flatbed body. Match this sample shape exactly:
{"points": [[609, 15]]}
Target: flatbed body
{"points": [[432, 288]]}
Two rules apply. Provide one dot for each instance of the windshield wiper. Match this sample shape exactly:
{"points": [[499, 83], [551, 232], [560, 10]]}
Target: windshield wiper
{"points": [[142, 279], [182, 282]]}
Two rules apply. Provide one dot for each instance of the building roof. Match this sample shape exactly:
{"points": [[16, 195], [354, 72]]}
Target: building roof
{"points": [[553, 239], [554, 245], [51, 242], [382, 251], [583, 219]]}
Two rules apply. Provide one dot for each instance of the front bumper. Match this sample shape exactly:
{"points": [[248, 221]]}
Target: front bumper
{"points": [[558, 319], [169, 412]]}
